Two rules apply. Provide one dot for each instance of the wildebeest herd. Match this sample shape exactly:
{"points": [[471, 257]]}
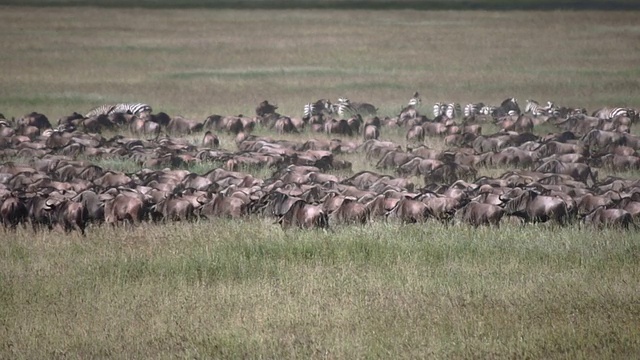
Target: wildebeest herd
{"points": [[48, 179]]}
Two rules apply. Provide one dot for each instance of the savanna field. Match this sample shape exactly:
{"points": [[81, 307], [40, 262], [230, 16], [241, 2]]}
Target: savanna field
{"points": [[246, 288]]}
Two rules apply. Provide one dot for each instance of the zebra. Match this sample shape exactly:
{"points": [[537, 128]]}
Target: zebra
{"points": [[536, 109], [415, 101], [439, 108], [132, 108], [609, 113], [473, 109], [488, 109], [507, 107], [453, 110], [320, 107], [346, 107], [309, 111], [100, 110], [122, 108]]}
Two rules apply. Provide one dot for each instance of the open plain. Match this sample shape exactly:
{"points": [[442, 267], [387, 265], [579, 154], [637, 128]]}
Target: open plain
{"points": [[246, 288]]}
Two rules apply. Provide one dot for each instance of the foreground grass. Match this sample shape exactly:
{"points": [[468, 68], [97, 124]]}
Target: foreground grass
{"points": [[247, 289]]}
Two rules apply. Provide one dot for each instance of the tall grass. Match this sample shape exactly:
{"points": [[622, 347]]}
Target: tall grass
{"points": [[243, 289]]}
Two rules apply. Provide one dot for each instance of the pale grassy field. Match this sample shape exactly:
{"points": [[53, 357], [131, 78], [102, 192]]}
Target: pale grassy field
{"points": [[247, 289], [196, 63]]}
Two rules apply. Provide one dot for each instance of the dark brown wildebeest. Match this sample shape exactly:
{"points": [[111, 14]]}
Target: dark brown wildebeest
{"points": [[371, 132], [264, 108], [95, 207], [284, 125], [39, 211], [304, 216], [173, 208], [418, 166], [13, 211], [449, 173], [340, 127], [580, 172], [180, 125], [210, 140], [223, 206], [129, 209], [35, 119], [350, 212], [415, 133], [602, 217], [477, 214], [69, 214], [533, 207], [393, 159], [410, 211]]}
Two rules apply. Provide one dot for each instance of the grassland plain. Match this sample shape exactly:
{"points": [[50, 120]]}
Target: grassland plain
{"points": [[246, 289], [199, 62]]}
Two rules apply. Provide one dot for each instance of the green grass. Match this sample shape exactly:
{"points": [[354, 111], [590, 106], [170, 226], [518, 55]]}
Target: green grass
{"points": [[198, 63], [223, 289], [236, 289]]}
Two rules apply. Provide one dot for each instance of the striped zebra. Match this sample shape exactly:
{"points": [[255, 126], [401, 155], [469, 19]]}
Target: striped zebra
{"points": [[472, 109], [347, 108], [100, 110], [453, 110], [487, 109], [320, 107], [132, 108], [507, 107], [309, 111], [439, 108], [122, 108], [536, 109], [415, 101], [609, 113]]}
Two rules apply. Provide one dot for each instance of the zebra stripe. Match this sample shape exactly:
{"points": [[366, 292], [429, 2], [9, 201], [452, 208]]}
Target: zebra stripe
{"points": [[487, 110], [309, 110], [320, 107], [612, 113], [453, 110], [536, 109], [346, 107], [133, 108], [415, 101], [472, 109], [108, 109], [438, 109], [100, 110]]}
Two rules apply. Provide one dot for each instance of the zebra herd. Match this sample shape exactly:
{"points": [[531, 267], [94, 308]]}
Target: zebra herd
{"points": [[511, 107], [123, 108], [343, 108]]}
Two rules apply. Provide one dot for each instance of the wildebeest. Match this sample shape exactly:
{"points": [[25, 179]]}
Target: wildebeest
{"points": [[304, 216], [410, 211], [477, 214], [124, 208], [533, 207], [602, 217], [13, 211], [70, 215], [371, 132], [350, 211]]}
